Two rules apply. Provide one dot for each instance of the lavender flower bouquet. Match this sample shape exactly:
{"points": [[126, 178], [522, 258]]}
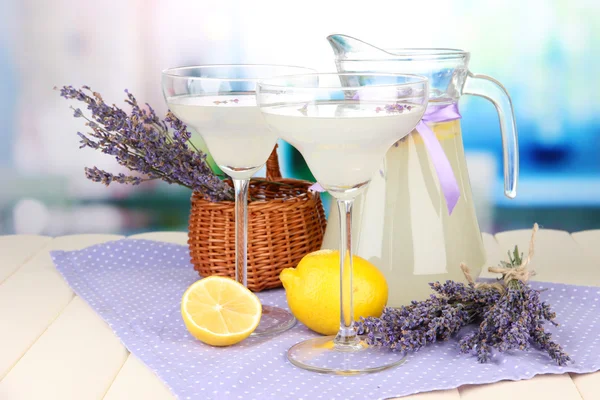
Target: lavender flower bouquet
{"points": [[146, 145], [509, 313]]}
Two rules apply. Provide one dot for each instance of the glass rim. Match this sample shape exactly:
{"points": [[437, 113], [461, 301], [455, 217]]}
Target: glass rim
{"points": [[169, 72], [266, 83]]}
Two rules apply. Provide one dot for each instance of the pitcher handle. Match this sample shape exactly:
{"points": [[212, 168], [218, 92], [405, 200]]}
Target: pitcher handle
{"points": [[489, 88]]}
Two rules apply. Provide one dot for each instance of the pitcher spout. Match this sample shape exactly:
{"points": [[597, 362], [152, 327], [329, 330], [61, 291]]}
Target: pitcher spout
{"points": [[343, 45]]}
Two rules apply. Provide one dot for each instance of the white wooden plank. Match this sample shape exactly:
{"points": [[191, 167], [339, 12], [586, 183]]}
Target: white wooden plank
{"points": [[136, 381], [588, 385], [558, 258], [33, 297], [589, 241], [171, 237], [540, 387], [494, 254], [15, 250], [78, 357]]}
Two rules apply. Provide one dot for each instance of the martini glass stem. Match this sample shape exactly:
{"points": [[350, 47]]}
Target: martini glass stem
{"points": [[346, 338], [241, 230]]}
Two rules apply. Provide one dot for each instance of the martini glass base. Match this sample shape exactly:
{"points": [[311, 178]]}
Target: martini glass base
{"points": [[321, 355], [274, 320]]}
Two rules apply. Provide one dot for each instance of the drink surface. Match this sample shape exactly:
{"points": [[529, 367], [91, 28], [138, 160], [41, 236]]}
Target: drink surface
{"points": [[232, 127], [404, 204], [343, 142]]}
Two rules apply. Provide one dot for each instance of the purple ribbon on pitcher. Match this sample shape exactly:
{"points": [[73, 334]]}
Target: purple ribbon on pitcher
{"points": [[441, 113], [443, 169]]}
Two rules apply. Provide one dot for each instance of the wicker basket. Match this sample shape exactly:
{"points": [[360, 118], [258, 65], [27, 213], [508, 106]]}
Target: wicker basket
{"points": [[286, 223]]}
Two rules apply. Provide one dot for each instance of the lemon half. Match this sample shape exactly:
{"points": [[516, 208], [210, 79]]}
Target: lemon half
{"points": [[220, 311]]}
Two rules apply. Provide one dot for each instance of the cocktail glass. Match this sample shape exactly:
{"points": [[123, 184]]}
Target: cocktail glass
{"points": [[343, 124], [219, 102]]}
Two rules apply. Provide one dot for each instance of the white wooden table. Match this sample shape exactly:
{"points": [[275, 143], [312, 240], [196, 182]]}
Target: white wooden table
{"points": [[53, 346]]}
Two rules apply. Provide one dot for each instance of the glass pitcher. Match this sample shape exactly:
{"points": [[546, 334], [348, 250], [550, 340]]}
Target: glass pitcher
{"points": [[416, 221]]}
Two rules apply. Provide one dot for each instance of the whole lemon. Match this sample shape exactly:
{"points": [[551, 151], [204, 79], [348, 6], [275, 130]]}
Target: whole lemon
{"points": [[313, 290]]}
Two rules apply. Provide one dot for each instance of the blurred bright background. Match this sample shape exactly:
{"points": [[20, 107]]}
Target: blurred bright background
{"points": [[545, 52]]}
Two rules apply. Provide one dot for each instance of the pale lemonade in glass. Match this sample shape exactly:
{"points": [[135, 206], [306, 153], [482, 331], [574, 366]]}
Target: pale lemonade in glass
{"points": [[232, 128], [342, 142]]}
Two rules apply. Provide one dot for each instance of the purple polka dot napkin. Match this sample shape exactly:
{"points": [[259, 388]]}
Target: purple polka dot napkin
{"points": [[136, 287]]}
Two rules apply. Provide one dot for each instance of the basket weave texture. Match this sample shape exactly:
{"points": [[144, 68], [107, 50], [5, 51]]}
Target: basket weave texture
{"points": [[286, 221]]}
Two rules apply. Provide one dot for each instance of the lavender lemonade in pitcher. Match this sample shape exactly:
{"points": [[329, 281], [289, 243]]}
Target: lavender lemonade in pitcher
{"points": [[416, 220]]}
